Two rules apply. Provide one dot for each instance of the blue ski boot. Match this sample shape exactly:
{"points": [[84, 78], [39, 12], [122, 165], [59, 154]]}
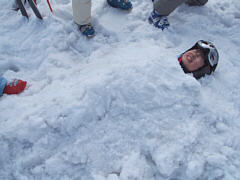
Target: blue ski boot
{"points": [[121, 4], [87, 30], [158, 20]]}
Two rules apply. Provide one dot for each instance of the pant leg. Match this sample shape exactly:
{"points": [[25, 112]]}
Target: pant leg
{"points": [[81, 11], [3, 83], [165, 7]]}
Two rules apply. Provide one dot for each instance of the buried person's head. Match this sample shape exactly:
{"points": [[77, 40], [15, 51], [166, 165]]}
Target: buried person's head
{"points": [[200, 60]]}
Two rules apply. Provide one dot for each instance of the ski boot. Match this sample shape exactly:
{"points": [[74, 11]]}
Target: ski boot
{"points": [[121, 4], [87, 30], [196, 2], [158, 20]]}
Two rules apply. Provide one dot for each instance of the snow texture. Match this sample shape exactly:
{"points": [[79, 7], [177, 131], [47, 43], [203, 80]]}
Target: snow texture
{"points": [[118, 106]]}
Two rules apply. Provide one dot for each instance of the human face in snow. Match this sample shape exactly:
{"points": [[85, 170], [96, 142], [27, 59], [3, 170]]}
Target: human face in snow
{"points": [[193, 59]]}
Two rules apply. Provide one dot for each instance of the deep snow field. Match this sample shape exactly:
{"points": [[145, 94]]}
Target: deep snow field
{"points": [[118, 106]]}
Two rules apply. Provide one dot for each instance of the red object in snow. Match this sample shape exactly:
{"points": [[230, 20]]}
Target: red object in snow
{"points": [[15, 87], [49, 5]]}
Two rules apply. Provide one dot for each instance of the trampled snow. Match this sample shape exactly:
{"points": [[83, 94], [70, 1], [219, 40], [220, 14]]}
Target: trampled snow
{"points": [[118, 106]]}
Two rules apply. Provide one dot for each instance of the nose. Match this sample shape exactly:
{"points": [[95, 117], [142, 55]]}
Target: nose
{"points": [[190, 58]]}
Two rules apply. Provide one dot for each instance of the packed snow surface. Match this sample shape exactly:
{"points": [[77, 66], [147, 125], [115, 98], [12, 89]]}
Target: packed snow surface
{"points": [[118, 106]]}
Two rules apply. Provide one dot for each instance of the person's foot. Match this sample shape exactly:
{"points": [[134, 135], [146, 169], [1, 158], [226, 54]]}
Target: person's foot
{"points": [[87, 30], [15, 87], [121, 4], [158, 20]]}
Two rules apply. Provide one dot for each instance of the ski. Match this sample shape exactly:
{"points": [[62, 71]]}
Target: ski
{"points": [[35, 9], [22, 8]]}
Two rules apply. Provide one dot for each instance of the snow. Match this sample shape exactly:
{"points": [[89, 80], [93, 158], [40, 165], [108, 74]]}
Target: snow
{"points": [[118, 106]]}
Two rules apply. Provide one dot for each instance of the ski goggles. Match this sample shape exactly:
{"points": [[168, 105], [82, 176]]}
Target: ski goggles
{"points": [[210, 52]]}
